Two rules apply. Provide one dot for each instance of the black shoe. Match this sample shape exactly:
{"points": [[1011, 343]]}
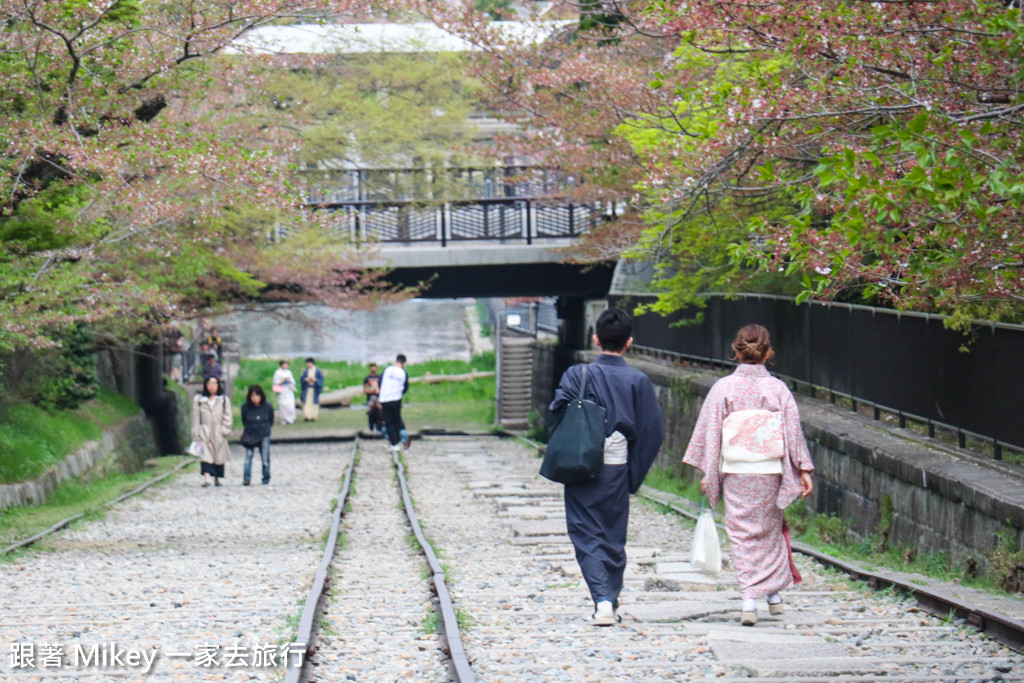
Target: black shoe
{"points": [[216, 483], [245, 483]]}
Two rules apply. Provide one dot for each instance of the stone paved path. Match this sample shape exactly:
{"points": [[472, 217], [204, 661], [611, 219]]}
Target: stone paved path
{"points": [[181, 571], [501, 528], [186, 572]]}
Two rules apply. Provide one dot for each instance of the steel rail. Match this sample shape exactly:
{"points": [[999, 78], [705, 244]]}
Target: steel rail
{"points": [[1005, 629], [25, 542], [451, 641], [314, 601]]}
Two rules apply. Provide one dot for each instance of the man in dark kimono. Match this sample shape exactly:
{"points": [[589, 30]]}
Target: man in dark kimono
{"points": [[597, 510]]}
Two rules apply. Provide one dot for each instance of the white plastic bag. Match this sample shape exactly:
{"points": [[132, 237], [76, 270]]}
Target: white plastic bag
{"points": [[706, 553], [195, 448]]}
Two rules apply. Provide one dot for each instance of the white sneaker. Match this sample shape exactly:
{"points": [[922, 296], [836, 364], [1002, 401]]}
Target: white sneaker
{"points": [[604, 615]]}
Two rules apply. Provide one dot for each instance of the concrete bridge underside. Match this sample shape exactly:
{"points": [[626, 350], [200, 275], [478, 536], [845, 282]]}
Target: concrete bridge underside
{"points": [[495, 270]]}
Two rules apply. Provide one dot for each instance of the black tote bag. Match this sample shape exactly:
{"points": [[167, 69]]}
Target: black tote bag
{"points": [[575, 450]]}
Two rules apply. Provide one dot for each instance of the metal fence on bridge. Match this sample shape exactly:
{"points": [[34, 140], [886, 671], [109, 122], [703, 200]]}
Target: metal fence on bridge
{"points": [[518, 219], [908, 364]]}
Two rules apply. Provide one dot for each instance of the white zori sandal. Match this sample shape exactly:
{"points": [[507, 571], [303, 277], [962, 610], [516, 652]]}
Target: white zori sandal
{"points": [[604, 615]]}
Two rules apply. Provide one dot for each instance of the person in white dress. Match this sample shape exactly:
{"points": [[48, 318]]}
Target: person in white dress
{"points": [[284, 387]]}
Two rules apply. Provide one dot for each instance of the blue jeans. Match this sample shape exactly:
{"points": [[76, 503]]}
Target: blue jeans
{"points": [[264, 456], [403, 435]]}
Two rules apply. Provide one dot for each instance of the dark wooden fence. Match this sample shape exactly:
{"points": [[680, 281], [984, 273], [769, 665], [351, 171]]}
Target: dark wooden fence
{"points": [[906, 364]]}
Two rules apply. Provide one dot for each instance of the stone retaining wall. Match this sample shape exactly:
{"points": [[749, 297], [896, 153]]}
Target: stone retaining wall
{"points": [[940, 499], [123, 448]]}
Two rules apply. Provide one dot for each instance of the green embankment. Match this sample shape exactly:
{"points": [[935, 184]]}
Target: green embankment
{"points": [[32, 439], [75, 496]]}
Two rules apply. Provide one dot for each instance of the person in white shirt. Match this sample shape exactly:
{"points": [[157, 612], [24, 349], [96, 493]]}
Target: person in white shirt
{"points": [[393, 385]]}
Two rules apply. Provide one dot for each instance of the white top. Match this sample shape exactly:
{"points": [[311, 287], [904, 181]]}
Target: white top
{"points": [[616, 449], [392, 384]]}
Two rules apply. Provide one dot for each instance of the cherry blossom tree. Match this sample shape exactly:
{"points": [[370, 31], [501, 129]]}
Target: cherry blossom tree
{"points": [[872, 150], [143, 172]]}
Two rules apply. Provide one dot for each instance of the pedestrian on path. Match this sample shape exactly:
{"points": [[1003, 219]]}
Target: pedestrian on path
{"points": [[312, 381], [371, 387], [211, 424], [257, 421], [284, 387], [375, 415], [750, 446], [393, 385], [213, 340], [403, 434], [597, 510], [211, 368]]}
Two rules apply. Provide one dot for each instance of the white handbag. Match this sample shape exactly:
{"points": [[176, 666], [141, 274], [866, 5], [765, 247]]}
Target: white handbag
{"points": [[195, 448], [706, 553]]}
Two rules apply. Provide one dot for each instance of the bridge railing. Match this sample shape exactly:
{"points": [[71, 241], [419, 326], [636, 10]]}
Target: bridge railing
{"points": [[504, 219]]}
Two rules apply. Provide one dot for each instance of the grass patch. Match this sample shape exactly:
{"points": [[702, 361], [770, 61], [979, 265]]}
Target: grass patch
{"points": [[32, 439], [451, 405], [464, 620], [74, 497], [663, 480], [431, 623], [342, 374]]}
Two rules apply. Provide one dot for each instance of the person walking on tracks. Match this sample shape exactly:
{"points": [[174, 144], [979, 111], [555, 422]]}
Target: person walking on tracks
{"points": [[597, 510], [371, 387], [211, 424], [257, 421], [312, 381], [393, 385], [750, 446]]}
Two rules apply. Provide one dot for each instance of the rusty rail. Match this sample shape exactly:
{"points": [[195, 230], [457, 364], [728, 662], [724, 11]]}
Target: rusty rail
{"points": [[314, 602], [451, 642]]}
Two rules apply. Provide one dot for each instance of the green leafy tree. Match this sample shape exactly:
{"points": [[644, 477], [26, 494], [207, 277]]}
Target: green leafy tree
{"points": [[401, 117], [870, 150]]}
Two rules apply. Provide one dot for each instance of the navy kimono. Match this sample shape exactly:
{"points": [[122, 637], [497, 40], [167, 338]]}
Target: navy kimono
{"points": [[597, 510]]}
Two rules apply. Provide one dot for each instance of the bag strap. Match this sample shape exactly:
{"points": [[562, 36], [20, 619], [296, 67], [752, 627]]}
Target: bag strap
{"points": [[583, 385]]}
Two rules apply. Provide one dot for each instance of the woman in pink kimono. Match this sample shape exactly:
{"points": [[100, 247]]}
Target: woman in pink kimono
{"points": [[749, 444]]}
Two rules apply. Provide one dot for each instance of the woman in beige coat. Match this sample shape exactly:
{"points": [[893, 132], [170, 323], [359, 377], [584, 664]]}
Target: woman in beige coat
{"points": [[211, 424]]}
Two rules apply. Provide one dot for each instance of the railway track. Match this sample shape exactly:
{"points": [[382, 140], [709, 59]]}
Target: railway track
{"points": [[451, 564], [515, 578], [180, 583]]}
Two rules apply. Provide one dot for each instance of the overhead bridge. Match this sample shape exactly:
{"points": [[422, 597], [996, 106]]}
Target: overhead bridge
{"points": [[504, 247]]}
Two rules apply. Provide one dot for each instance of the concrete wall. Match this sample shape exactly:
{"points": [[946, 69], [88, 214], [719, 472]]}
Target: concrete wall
{"points": [[123, 448], [942, 500]]}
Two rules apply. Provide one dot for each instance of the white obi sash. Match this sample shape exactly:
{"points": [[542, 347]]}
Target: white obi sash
{"points": [[616, 449], [753, 442]]}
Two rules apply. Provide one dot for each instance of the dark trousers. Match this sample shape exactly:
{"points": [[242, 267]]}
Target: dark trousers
{"points": [[597, 515], [393, 420]]}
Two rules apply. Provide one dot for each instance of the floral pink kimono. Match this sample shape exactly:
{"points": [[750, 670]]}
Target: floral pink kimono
{"points": [[753, 502]]}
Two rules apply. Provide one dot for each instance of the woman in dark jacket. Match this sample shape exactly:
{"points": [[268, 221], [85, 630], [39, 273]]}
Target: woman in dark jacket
{"points": [[257, 419]]}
